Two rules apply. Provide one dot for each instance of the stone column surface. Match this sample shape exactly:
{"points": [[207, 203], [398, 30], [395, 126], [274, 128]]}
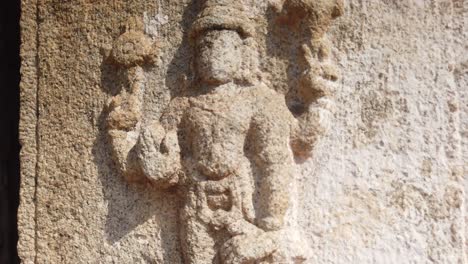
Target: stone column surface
{"points": [[215, 131]]}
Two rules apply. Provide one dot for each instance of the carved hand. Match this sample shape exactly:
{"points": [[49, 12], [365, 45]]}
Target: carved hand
{"points": [[124, 120], [124, 112], [315, 88], [158, 155], [232, 221], [249, 248]]}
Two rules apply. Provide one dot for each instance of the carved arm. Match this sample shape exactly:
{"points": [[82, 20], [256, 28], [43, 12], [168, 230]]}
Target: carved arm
{"points": [[142, 152], [124, 122], [270, 134]]}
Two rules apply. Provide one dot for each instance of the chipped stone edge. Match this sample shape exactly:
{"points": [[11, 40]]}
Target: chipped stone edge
{"points": [[28, 129]]}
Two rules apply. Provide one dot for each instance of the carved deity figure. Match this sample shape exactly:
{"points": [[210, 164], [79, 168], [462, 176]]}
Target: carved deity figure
{"points": [[228, 146]]}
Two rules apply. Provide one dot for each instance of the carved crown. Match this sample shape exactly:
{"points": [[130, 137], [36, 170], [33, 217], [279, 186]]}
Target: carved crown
{"points": [[223, 14]]}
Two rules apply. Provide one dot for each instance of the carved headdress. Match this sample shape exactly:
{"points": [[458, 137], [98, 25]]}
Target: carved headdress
{"points": [[223, 14]]}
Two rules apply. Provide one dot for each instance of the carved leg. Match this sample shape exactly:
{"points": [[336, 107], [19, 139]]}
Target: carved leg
{"points": [[214, 212], [198, 244]]}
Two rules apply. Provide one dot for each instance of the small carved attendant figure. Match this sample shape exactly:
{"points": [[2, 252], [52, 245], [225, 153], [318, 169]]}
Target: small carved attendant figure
{"points": [[226, 146]]}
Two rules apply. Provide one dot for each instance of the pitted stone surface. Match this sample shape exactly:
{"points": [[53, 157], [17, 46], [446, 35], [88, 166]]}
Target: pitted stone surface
{"points": [[116, 140], [226, 144]]}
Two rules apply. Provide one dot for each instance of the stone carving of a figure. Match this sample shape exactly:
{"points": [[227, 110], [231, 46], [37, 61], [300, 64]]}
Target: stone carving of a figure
{"points": [[226, 145]]}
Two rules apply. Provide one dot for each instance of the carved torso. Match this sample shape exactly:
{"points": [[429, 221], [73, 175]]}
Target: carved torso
{"points": [[218, 124]]}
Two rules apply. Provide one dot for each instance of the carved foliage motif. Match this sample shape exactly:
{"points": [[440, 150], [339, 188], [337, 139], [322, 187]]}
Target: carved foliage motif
{"points": [[229, 146]]}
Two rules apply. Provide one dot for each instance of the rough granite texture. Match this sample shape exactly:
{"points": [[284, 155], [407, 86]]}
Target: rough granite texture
{"points": [[385, 184]]}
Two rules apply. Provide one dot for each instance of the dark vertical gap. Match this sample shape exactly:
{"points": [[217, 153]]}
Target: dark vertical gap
{"points": [[9, 121]]}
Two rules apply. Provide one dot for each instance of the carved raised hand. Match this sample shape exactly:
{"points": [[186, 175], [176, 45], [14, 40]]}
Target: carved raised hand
{"points": [[314, 86], [124, 122], [144, 152]]}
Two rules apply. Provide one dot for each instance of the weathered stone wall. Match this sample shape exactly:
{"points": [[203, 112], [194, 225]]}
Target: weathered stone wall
{"points": [[389, 181], [386, 184]]}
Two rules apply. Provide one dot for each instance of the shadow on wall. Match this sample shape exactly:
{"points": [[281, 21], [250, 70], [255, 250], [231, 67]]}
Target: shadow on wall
{"points": [[9, 120], [132, 205]]}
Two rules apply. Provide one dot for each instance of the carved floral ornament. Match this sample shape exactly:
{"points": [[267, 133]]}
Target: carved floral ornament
{"points": [[229, 148]]}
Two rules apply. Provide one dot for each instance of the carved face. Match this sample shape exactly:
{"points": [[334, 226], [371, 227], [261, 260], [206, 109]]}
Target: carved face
{"points": [[219, 56]]}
